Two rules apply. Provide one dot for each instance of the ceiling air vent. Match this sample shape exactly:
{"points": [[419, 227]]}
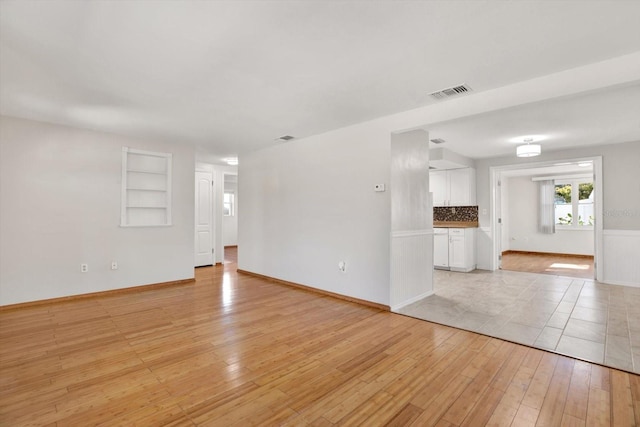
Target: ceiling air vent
{"points": [[285, 138], [451, 91], [437, 140]]}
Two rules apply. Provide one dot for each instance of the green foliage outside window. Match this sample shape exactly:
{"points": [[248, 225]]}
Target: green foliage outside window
{"points": [[563, 192], [563, 197], [568, 220]]}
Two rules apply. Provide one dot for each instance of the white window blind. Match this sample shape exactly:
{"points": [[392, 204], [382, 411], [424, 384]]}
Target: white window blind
{"points": [[546, 207]]}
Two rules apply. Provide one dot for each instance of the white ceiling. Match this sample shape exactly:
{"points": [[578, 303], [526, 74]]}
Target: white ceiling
{"points": [[233, 76], [603, 117]]}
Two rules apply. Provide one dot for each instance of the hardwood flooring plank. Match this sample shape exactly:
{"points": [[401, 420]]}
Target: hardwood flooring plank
{"points": [[320, 422], [526, 416], [571, 421], [634, 383], [362, 413], [441, 402], [509, 369], [599, 409], [622, 403], [509, 404], [578, 395], [435, 380], [540, 383], [339, 402], [274, 355], [600, 378], [461, 408], [552, 408], [484, 408], [405, 416]]}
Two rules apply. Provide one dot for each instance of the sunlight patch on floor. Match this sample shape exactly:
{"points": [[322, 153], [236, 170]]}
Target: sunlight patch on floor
{"points": [[569, 266]]}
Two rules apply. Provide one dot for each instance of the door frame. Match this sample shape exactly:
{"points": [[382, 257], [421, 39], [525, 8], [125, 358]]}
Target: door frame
{"points": [[496, 211]]}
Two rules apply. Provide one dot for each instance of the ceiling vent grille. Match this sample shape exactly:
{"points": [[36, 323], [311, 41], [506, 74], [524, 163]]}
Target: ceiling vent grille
{"points": [[285, 138], [451, 91], [437, 140]]}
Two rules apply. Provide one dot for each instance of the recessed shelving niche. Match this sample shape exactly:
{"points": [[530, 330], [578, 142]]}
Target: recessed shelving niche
{"points": [[146, 188]]}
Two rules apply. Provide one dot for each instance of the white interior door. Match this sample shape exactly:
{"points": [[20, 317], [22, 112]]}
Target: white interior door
{"points": [[204, 219]]}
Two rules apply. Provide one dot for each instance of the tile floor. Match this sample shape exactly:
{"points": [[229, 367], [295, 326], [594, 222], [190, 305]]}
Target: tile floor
{"points": [[576, 317]]}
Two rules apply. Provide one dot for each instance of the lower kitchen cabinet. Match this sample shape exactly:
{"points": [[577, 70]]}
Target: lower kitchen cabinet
{"points": [[462, 249]]}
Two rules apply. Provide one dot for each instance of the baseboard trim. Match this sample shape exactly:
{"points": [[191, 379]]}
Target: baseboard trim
{"points": [[95, 294], [395, 308], [546, 253], [317, 291]]}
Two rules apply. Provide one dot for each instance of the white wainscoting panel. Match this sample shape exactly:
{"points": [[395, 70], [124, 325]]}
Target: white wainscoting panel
{"points": [[621, 250], [484, 249], [411, 267]]}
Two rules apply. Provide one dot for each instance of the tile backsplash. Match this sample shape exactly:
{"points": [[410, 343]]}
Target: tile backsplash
{"points": [[455, 213]]}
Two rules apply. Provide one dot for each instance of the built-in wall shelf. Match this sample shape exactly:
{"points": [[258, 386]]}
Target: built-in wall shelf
{"points": [[146, 188]]}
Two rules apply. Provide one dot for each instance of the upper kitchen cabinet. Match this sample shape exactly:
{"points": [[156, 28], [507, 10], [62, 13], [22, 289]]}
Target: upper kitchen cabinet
{"points": [[453, 187]]}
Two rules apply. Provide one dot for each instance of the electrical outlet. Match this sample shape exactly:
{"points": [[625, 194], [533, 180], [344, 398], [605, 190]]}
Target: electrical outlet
{"points": [[84, 268], [114, 265], [342, 266]]}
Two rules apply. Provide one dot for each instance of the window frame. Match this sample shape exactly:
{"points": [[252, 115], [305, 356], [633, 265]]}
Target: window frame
{"points": [[232, 203], [575, 202]]}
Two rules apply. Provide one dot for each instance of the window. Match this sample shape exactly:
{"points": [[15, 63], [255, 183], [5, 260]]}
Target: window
{"points": [[229, 204], [572, 211]]}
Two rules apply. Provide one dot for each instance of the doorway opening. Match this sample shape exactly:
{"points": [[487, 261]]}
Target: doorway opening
{"points": [[569, 244], [230, 217]]}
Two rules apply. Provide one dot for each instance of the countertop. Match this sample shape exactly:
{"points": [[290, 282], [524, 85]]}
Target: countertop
{"points": [[455, 224]]}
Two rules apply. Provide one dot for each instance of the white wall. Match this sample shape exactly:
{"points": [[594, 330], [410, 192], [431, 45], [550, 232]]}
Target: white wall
{"points": [[230, 223], [522, 225], [308, 204], [411, 219], [60, 207]]}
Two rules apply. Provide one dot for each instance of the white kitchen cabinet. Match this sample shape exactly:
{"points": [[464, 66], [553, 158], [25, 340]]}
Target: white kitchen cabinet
{"points": [[453, 187], [439, 186], [462, 249]]}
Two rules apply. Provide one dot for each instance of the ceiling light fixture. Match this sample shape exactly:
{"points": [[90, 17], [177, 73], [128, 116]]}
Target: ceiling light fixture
{"points": [[231, 161], [528, 150]]}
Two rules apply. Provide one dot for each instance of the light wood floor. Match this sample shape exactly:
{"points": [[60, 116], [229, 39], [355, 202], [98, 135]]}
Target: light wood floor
{"points": [[237, 350], [555, 264], [231, 254]]}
